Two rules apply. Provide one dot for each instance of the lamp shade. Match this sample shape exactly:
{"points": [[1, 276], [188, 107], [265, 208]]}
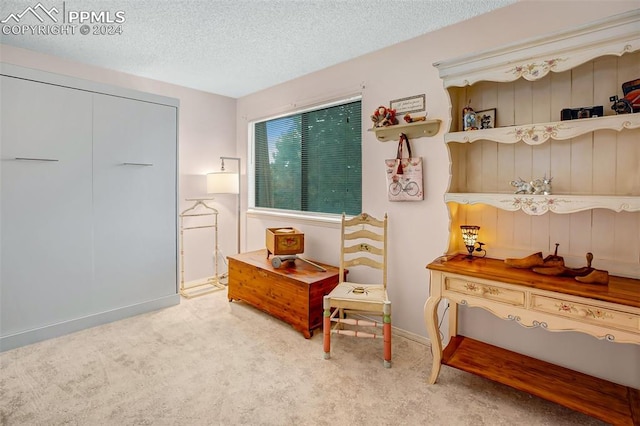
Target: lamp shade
{"points": [[469, 234], [223, 183]]}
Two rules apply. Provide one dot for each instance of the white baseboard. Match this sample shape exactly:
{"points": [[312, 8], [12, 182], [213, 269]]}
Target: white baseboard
{"points": [[411, 336], [28, 337]]}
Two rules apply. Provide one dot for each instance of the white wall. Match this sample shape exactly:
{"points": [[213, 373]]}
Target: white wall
{"points": [[418, 231], [206, 131]]}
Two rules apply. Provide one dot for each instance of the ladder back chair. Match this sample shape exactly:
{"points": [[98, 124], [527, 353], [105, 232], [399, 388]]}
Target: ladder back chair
{"points": [[363, 246]]}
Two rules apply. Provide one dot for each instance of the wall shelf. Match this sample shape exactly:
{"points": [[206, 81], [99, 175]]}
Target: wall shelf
{"points": [[538, 133], [593, 161], [536, 205], [418, 129]]}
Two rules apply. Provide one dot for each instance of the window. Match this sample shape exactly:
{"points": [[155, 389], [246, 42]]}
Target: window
{"points": [[310, 161]]}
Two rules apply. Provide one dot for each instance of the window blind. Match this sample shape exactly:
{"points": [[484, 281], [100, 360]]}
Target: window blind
{"points": [[311, 161]]}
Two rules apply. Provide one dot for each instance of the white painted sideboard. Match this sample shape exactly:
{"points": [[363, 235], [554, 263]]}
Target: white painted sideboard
{"points": [[88, 204], [608, 312], [594, 206]]}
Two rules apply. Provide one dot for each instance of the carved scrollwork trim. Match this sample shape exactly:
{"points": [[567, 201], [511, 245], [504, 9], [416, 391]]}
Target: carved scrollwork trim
{"points": [[541, 324]]}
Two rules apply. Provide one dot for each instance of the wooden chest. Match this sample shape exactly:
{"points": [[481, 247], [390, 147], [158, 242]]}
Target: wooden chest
{"points": [[292, 293]]}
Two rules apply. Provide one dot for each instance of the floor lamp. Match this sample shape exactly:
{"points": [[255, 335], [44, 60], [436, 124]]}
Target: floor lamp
{"points": [[224, 182]]}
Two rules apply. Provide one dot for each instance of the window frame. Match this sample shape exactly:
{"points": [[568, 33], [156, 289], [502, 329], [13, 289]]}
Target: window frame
{"points": [[252, 210]]}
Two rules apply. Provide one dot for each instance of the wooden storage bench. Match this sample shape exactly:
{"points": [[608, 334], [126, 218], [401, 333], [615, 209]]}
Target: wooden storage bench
{"points": [[292, 293]]}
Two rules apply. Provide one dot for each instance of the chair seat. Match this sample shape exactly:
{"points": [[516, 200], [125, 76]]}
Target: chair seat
{"points": [[349, 295]]}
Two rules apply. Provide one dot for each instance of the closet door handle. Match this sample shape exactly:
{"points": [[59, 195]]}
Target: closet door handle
{"points": [[138, 164], [35, 159]]}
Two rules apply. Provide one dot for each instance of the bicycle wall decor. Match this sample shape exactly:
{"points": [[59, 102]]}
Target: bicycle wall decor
{"points": [[404, 174]]}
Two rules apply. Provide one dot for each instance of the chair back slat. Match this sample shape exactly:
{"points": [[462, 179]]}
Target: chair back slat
{"points": [[364, 261], [364, 218], [364, 243], [364, 233], [364, 248]]}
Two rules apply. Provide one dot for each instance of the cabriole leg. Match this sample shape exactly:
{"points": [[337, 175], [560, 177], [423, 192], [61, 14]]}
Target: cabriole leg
{"points": [[431, 319]]}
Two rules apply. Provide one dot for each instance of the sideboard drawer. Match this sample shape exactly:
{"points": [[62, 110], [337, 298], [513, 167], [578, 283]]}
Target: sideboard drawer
{"points": [[485, 291], [586, 313]]}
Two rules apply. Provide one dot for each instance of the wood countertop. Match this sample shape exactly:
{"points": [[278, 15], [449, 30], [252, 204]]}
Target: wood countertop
{"points": [[625, 291]]}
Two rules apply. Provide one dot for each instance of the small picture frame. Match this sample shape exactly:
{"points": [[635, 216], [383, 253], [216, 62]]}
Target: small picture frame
{"points": [[486, 119]]}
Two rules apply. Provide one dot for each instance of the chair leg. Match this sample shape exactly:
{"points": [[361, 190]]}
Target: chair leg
{"points": [[386, 331], [326, 326]]}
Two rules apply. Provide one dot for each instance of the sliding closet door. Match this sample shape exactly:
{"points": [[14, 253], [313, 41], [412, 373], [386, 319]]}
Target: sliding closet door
{"points": [[46, 230], [134, 157]]}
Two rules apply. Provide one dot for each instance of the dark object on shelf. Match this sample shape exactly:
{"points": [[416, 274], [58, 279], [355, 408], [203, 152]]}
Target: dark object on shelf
{"points": [[586, 275], [486, 118], [630, 102], [584, 112], [621, 106], [553, 260]]}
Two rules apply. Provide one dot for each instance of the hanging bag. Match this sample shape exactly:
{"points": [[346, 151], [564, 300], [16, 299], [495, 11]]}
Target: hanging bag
{"points": [[404, 174]]}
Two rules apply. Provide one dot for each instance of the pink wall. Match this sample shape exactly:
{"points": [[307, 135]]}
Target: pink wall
{"points": [[210, 124], [418, 231], [206, 131]]}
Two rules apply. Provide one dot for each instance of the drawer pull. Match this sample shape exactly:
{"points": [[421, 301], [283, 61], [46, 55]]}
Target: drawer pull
{"points": [[539, 324], [513, 318], [138, 164], [35, 159]]}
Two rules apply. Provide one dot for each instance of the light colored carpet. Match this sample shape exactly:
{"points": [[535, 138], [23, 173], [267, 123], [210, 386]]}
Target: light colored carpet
{"points": [[211, 362]]}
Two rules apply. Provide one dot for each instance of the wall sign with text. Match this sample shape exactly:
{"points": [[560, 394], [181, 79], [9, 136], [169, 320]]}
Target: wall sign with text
{"points": [[408, 105]]}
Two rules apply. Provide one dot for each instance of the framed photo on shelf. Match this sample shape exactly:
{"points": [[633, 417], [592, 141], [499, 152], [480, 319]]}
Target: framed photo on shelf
{"points": [[486, 119]]}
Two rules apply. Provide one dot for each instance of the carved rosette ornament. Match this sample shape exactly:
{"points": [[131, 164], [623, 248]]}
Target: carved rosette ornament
{"points": [[535, 70], [535, 206], [586, 312], [534, 135]]}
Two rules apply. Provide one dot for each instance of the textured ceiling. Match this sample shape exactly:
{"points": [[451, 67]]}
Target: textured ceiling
{"points": [[231, 47]]}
